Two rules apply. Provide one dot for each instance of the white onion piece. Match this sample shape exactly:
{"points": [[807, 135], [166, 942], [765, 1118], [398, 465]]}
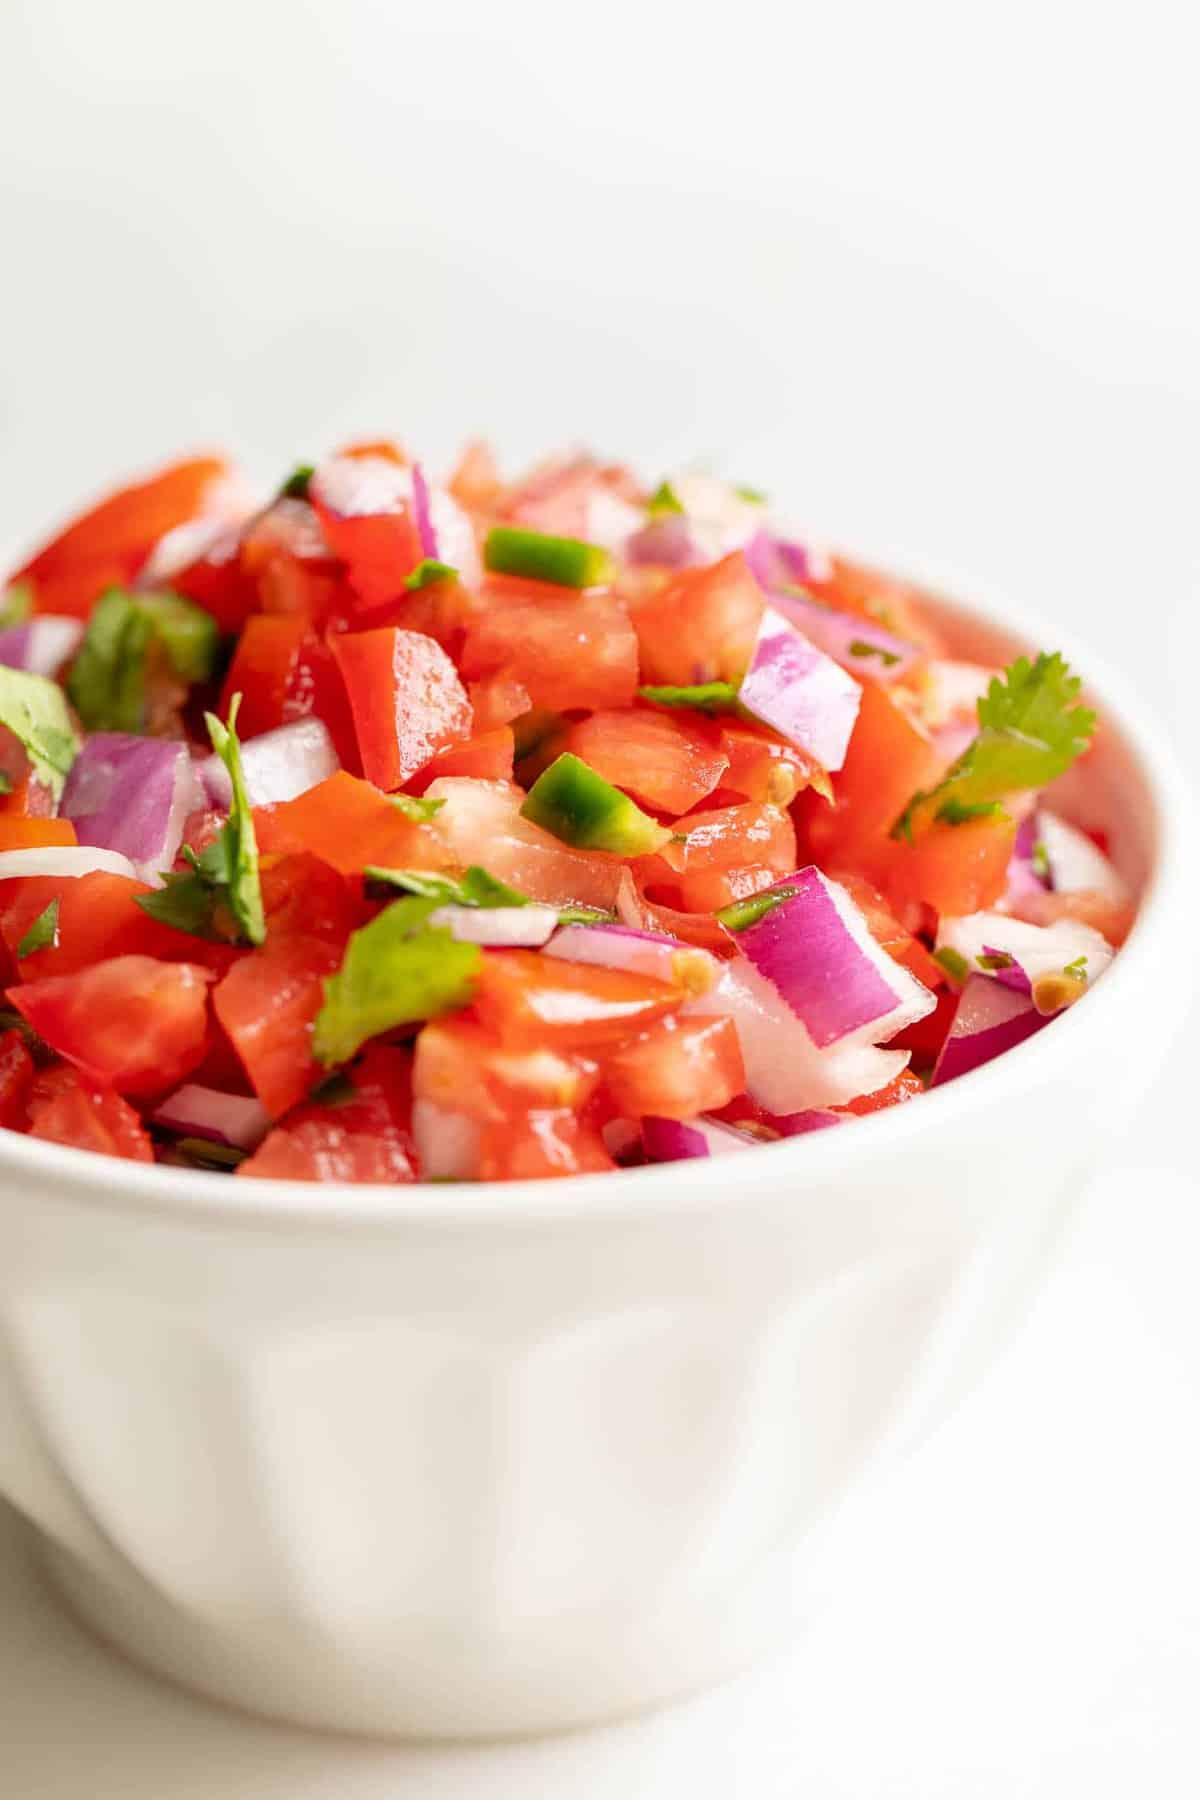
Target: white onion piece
{"points": [[611, 521], [447, 1143], [195, 1111], [1075, 862], [641, 952], [498, 927], [720, 519], [64, 859], [785, 1071], [42, 644], [1036, 950], [278, 765], [816, 948]]}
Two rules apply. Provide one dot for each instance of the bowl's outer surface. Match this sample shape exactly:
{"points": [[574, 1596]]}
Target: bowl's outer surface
{"points": [[466, 1462]]}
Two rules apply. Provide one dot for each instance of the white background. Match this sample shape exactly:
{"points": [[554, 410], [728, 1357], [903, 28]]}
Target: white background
{"points": [[929, 273]]}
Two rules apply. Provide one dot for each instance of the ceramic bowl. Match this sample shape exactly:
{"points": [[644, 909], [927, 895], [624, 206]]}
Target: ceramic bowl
{"points": [[465, 1461]]}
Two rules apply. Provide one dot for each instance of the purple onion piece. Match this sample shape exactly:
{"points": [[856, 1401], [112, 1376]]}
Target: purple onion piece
{"points": [[195, 1111], [988, 1020], [668, 541], [800, 692], [673, 1140], [42, 645], [422, 513], [131, 795], [815, 1119], [857, 644], [1008, 972]]}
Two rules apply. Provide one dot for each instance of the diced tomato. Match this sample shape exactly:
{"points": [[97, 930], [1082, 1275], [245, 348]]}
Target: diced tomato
{"points": [[348, 824], [67, 1107], [762, 767], [488, 756], [442, 610], [287, 557], [667, 761], [131, 1023], [692, 928], [567, 649], [906, 1086], [34, 834], [304, 896], [676, 1069], [379, 550], [556, 495], [927, 1036], [1113, 919], [536, 1145], [108, 544], [476, 482], [728, 854], [264, 671], [16, 1079], [266, 1004], [701, 626], [406, 698], [888, 759], [462, 1066], [377, 450], [497, 700], [219, 582], [530, 999], [887, 930], [954, 869], [364, 1135], [98, 917], [481, 822]]}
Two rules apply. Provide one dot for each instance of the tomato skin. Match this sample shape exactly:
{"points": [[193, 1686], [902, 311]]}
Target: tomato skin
{"points": [[406, 700], [66, 1107], [528, 999], [348, 824], [888, 759], [676, 1069], [442, 610], [539, 1144], [379, 550], [701, 626], [98, 917], [266, 1005], [729, 853], [305, 897], [567, 649], [488, 756], [218, 582], [669, 762], [107, 545], [366, 1137], [906, 1086], [887, 930], [462, 1066], [283, 672], [34, 834], [16, 1079], [954, 869], [131, 1023], [691, 928], [763, 767]]}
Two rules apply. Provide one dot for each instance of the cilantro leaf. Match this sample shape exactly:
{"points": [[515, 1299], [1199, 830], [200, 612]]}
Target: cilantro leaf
{"points": [[41, 934], [1031, 729], [35, 711], [107, 682], [296, 485], [475, 887], [418, 810], [429, 570], [222, 885], [708, 696], [961, 812], [396, 970], [664, 499]]}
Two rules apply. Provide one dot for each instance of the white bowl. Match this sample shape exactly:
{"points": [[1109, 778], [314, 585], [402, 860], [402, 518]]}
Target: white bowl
{"points": [[475, 1460]]}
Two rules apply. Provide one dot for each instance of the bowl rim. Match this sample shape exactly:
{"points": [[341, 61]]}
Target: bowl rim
{"points": [[187, 1196]]}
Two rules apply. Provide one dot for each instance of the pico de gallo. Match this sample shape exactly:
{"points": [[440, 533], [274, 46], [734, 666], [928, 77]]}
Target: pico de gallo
{"points": [[398, 829]]}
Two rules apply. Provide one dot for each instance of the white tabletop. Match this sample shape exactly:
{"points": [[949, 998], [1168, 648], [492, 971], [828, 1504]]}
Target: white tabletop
{"points": [[926, 272]]}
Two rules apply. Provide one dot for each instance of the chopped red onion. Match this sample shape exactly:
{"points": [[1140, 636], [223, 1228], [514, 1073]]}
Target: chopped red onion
{"points": [[1023, 877], [277, 764], [815, 1119], [42, 645], [132, 795], [611, 521], [988, 1020], [64, 859], [422, 514], [621, 1136], [499, 927], [642, 952], [785, 1071], [447, 1143], [1074, 862], [777, 562], [859, 645], [800, 692], [204, 1112], [673, 1140], [1033, 950], [668, 541], [816, 948]]}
